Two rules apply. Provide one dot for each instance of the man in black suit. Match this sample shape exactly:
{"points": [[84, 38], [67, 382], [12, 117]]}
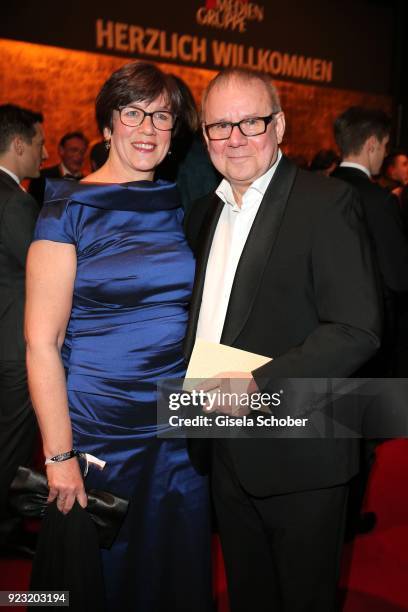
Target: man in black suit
{"points": [[72, 151], [362, 135], [284, 269], [21, 152]]}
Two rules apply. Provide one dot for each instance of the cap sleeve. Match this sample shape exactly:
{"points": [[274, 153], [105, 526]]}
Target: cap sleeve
{"points": [[55, 222]]}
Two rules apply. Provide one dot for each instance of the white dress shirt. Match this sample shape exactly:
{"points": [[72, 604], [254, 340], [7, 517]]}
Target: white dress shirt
{"points": [[228, 243]]}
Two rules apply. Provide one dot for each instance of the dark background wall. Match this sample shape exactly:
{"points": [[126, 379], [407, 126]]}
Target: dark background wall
{"points": [[356, 35], [52, 62], [399, 89]]}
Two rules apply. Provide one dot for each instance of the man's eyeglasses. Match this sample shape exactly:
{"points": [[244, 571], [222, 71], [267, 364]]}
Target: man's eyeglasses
{"points": [[132, 116], [253, 126]]}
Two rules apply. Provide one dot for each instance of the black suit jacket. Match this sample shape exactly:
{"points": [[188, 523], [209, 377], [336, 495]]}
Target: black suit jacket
{"points": [[18, 214], [385, 227], [304, 293], [37, 185], [404, 206], [390, 244]]}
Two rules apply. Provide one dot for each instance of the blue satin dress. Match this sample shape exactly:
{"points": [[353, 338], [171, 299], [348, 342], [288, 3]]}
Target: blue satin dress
{"points": [[128, 321]]}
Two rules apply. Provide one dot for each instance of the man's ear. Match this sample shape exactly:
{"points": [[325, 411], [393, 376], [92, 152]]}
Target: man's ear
{"points": [[371, 144], [18, 145], [280, 126]]}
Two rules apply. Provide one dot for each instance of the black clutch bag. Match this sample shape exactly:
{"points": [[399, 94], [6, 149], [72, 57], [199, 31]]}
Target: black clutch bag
{"points": [[28, 495]]}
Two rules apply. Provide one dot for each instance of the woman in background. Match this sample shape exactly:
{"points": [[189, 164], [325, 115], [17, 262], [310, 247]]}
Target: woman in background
{"points": [[109, 284]]}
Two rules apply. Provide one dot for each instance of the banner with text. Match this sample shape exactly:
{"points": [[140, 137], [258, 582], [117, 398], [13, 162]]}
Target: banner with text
{"points": [[320, 42]]}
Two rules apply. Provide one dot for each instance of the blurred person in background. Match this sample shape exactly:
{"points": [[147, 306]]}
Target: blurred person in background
{"points": [[362, 135], [72, 151], [188, 163], [325, 162], [22, 150], [394, 171]]}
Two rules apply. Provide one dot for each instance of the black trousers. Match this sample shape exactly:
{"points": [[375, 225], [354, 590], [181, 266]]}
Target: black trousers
{"points": [[358, 485], [282, 553], [18, 431]]}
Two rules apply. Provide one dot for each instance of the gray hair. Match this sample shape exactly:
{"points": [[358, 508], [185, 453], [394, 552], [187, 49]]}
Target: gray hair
{"points": [[243, 74]]}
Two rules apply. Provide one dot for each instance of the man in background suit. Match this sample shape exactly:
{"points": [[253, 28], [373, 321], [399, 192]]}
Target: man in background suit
{"points": [[362, 135], [72, 151], [284, 269], [22, 151], [394, 171]]}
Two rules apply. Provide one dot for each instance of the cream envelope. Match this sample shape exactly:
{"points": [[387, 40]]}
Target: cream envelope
{"points": [[210, 358]]}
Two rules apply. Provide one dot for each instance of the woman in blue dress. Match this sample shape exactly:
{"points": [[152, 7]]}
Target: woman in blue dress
{"points": [[109, 279]]}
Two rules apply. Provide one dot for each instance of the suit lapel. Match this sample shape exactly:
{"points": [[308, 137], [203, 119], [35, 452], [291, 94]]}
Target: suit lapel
{"points": [[257, 250], [203, 251]]}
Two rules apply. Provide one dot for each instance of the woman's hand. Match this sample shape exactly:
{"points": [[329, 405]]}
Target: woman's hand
{"points": [[66, 484]]}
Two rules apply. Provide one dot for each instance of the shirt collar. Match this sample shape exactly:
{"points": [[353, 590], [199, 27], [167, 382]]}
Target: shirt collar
{"points": [[346, 164], [64, 171], [11, 174], [224, 189]]}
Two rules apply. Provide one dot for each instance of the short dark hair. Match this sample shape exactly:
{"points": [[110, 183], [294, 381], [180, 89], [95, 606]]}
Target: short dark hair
{"points": [[16, 121], [355, 126], [70, 135], [190, 119], [98, 154], [135, 82], [324, 159]]}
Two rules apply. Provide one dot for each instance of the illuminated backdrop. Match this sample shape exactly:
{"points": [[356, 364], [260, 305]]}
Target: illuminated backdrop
{"points": [[321, 56]]}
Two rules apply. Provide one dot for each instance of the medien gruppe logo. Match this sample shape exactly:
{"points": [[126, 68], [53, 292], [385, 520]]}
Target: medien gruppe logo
{"points": [[229, 14]]}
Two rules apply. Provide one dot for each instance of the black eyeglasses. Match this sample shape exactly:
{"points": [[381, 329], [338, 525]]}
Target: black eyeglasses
{"points": [[133, 116], [253, 126]]}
